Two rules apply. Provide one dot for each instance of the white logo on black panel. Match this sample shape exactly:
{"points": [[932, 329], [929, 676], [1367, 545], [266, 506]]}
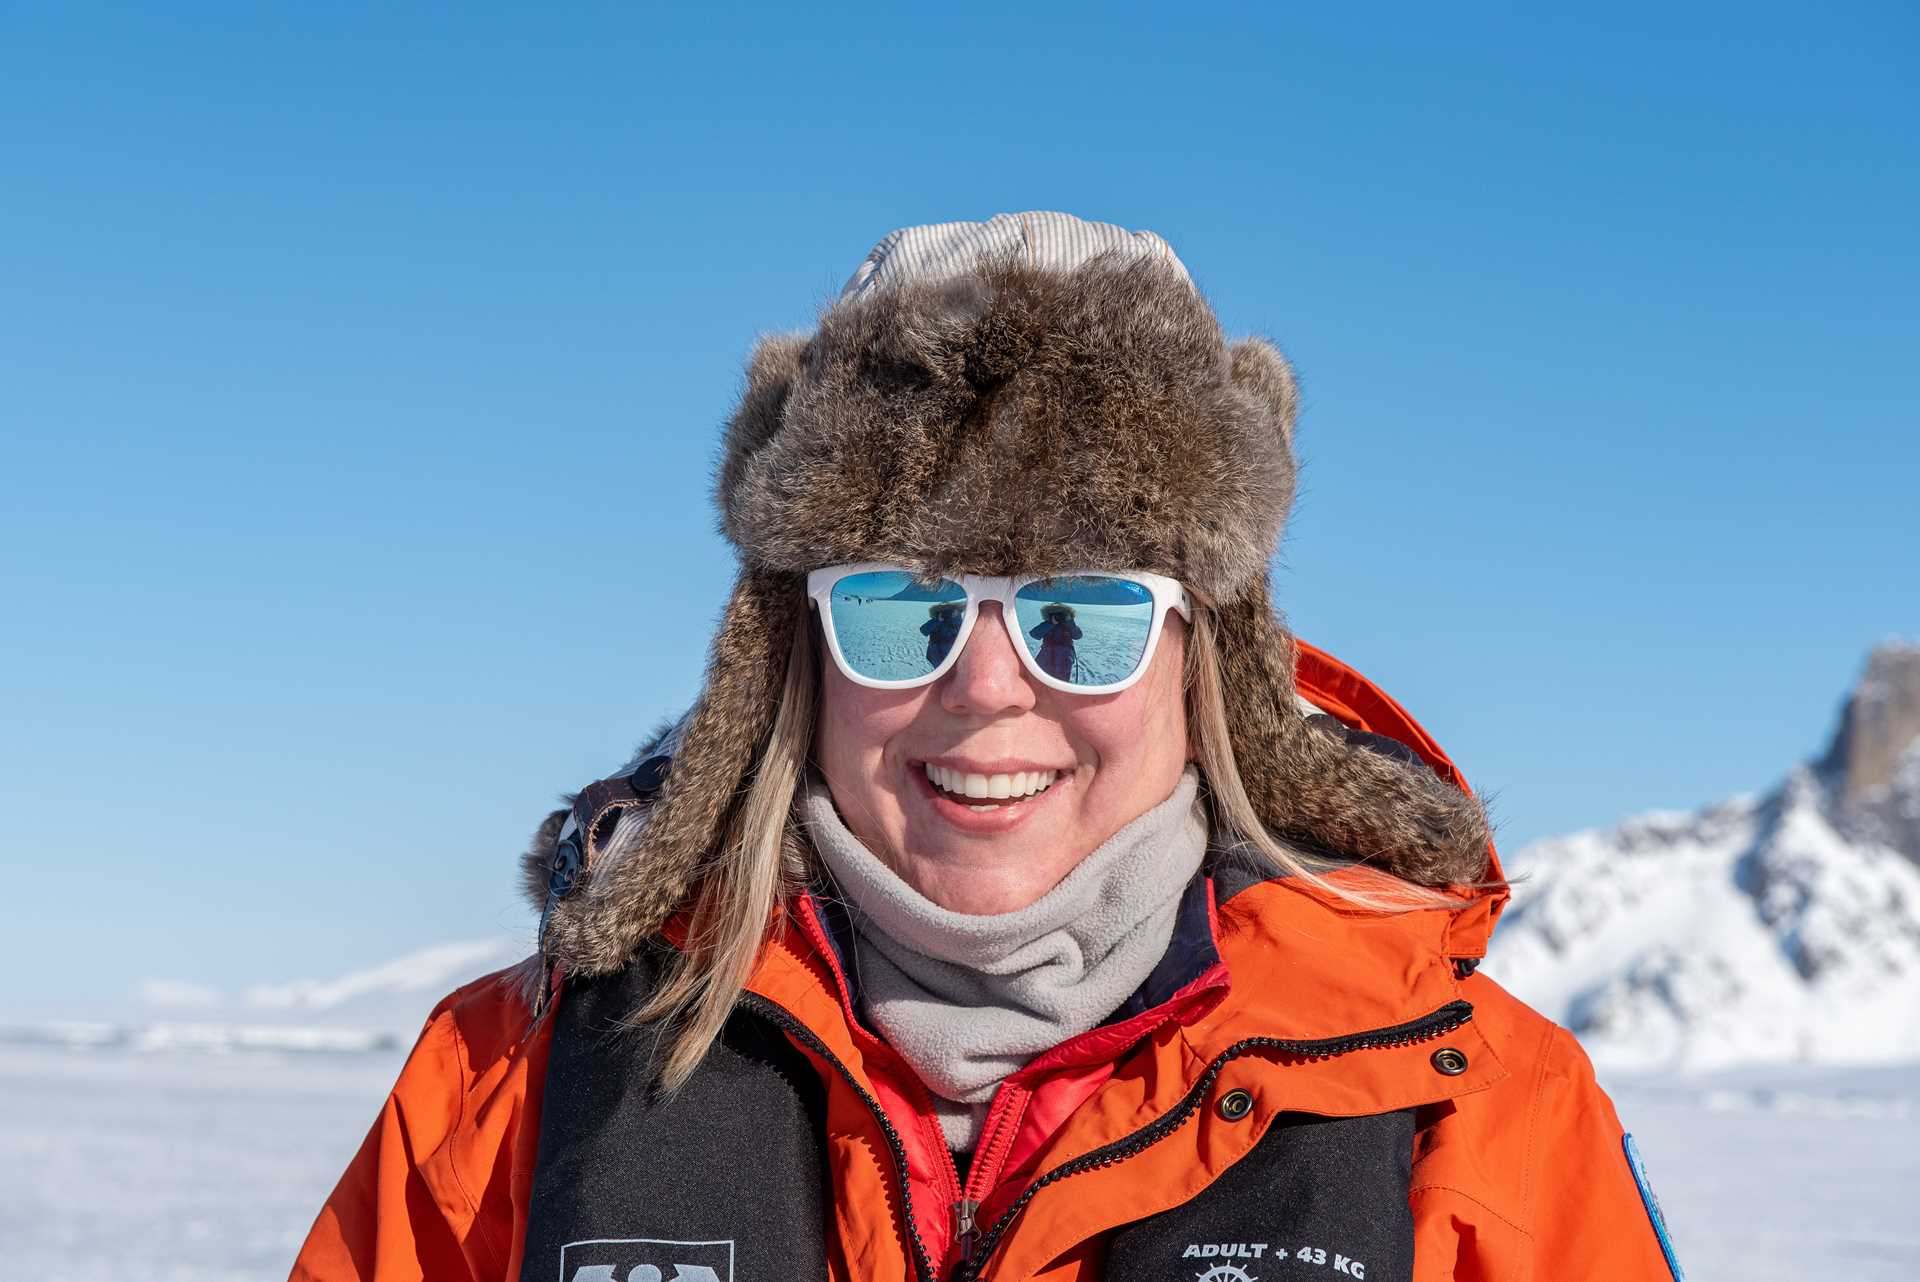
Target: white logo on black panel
{"points": [[1226, 1273], [646, 1259], [1336, 1264]]}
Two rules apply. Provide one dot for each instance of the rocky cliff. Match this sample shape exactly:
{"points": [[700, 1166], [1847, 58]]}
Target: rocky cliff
{"points": [[1777, 927]]}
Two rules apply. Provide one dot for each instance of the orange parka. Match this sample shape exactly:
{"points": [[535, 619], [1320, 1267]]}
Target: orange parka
{"points": [[1519, 1166]]}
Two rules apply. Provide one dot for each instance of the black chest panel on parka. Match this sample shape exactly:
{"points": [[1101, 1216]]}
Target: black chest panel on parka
{"points": [[1321, 1198], [725, 1182]]}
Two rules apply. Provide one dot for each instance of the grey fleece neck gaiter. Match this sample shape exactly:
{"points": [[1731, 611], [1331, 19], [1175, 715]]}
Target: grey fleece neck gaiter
{"points": [[967, 999]]}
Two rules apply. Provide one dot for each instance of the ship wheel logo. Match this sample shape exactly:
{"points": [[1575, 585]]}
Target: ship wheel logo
{"points": [[1226, 1273]]}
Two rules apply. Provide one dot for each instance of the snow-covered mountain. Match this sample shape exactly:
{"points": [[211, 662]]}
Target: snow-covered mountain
{"points": [[1770, 928]]}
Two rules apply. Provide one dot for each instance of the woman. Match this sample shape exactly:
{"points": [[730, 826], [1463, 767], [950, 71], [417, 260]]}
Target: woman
{"points": [[879, 965], [1056, 633], [941, 630]]}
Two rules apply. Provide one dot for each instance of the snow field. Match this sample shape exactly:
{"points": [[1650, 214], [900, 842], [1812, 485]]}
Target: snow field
{"points": [[1784, 1173], [173, 1167]]}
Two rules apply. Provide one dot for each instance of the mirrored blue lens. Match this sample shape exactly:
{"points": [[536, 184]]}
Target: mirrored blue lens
{"points": [[1090, 630], [892, 626]]}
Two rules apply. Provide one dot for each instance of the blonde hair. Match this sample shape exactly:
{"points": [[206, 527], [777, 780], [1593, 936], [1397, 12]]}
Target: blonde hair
{"points": [[761, 863], [1236, 822]]}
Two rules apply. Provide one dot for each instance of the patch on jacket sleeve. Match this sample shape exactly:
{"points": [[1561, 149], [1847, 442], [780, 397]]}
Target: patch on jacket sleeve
{"points": [[1652, 1203]]}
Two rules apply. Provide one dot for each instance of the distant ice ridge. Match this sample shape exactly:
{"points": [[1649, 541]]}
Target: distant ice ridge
{"points": [[223, 1039], [378, 1009], [430, 970], [1769, 929]]}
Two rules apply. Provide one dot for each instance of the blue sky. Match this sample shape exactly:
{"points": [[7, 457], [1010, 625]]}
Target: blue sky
{"points": [[361, 371]]}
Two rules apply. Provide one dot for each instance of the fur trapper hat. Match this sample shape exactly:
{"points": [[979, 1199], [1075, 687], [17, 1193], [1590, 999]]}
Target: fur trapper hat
{"points": [[1031, 394]]}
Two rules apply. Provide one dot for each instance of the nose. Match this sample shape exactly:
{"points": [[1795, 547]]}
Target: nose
{"points": [[988, 677]]}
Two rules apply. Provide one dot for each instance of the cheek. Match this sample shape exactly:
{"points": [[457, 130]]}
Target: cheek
{"points": [[1140, 736], [856, 723]]}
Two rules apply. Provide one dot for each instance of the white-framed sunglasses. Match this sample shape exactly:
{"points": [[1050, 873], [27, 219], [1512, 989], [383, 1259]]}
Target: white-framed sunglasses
{"points": [[1084, 632]]}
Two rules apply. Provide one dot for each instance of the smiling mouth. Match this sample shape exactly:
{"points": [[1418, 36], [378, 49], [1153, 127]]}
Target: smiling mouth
{"points": [[981, 793]]}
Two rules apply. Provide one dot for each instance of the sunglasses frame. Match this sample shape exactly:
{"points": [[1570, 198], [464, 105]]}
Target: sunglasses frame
{"points": [[1168, 594]]}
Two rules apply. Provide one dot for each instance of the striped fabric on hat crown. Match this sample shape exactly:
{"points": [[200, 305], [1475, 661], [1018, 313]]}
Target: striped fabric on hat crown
{"points": [[1042, 238]]}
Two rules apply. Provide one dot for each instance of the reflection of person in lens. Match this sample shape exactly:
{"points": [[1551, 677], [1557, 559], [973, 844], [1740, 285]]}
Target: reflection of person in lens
{"points": [[941, 629], [1056, 632]]}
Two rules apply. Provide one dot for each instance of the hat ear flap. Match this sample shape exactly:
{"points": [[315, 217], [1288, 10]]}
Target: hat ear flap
{"points": [[1313, 785], [623, 904], [1262, 372]]}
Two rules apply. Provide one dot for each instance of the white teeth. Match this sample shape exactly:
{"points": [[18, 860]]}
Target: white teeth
{"points": [[1023, 783]]}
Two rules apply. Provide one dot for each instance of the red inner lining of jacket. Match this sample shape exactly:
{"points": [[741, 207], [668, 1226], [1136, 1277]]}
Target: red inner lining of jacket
{"points": [[1027, 1110]]}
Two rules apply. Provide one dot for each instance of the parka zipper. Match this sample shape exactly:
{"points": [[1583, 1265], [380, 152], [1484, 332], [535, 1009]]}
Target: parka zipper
{"points": [[964, 1226], [1436, 1024], [984, 1169], [780, 1015]]}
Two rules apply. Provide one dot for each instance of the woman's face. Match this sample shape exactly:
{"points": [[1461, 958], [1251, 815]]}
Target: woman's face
{"points": [[1111, 758]]}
